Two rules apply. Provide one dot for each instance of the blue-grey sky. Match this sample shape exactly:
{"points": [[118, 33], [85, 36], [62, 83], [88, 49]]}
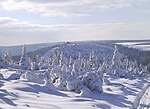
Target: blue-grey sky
{"points": [[38, 21]]}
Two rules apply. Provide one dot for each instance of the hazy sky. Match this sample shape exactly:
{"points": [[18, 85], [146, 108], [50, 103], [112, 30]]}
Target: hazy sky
{"points": [[34, 21]]}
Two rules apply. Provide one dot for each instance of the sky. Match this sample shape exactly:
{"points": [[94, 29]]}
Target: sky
{"points": [[39, 21]]}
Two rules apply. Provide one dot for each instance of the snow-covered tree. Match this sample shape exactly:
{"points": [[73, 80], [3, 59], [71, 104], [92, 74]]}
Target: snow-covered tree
{"points": [[70, 66], [49, 85], [34, 66], [135, 68], [93, 81], [115, 66], [42, 64], [24, 60], [7, 59], [85, 91], [1, 58], [92, 63], [1, 61], [35, 63], [60, 59], [55, 58], [125, 64], [73, 83], [115, 59], [63, 75], [144, 71], [103, 68]]}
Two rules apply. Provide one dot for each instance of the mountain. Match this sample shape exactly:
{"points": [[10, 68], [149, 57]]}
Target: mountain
{"points": [[16, 50], [130, 48]]}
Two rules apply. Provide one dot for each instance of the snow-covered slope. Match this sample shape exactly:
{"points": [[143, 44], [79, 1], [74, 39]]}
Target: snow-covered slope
{"points": [[73, 50], [108, 85], [22, 94], [16, 50]]}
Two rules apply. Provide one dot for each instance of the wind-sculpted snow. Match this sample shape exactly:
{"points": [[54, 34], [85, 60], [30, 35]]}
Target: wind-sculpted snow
{"points": [[22, 94]]}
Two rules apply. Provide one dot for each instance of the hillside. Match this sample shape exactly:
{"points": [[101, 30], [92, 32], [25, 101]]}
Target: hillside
{"points": [[71, 75]]}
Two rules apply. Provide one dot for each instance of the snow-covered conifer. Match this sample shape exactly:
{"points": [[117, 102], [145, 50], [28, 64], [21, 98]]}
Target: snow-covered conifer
{"points": [[7, 59], [144, 71], [24, 61], [85, 91], [135, 68], [49, 85], [60, 59], [34, 66], [115, 59], [42, 64], [115, 66], [92, 62], [1, 61], [73, 84], [70, 66], [1, 58], [93, 82]]}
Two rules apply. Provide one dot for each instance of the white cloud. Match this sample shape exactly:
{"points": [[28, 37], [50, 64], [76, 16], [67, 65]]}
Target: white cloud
{"points": [[145, 11], [66, 8], [14, 31]]}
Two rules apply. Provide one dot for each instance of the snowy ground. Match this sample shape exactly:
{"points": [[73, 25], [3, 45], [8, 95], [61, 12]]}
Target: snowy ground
{"points": [[119, 94]]}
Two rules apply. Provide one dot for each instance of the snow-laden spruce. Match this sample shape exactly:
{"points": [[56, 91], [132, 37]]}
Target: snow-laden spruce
{"points": [[122, 67], [74, 74], [5, 60], [93, 81], [24, 60], [78, 74], [32, 76]]}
